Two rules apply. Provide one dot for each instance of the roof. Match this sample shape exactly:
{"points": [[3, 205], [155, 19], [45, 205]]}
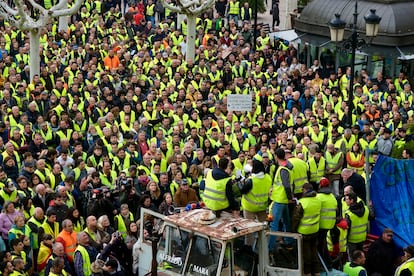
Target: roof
{"points": [[225, 227], [396, 27]]}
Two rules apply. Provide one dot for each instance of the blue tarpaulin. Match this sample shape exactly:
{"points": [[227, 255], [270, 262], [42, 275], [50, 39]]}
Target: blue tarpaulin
{"points": [[392, 195]]}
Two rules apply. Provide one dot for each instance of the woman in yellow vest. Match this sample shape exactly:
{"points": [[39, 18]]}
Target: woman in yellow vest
{"points": [[77, 220], [355, 159], [19, 228], [27, 208]]}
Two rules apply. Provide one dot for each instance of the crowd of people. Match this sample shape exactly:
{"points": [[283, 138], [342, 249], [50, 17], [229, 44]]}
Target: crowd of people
{"points": [[118, 120]]}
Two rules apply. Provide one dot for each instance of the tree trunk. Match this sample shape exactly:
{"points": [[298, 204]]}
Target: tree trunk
{"points": [[180, 18], [64, 20], [34, 53], [191, 23]]}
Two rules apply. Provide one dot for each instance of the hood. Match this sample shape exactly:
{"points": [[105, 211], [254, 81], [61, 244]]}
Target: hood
{"points": [[311, 193], [358, 209], [219, 174], [325, 190]]}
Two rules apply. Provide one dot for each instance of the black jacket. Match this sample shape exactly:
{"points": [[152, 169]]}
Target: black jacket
{"points": [[381, 257]]}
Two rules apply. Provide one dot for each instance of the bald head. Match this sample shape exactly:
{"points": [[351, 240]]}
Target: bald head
{"points": [[58, 249], [39, 213], [40, 189], [346, 173], [330, 147], [91, 222]]}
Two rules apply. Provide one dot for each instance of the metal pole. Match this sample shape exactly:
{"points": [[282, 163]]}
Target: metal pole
{"points": [[368, 172], [354, 40], [255, 25]]}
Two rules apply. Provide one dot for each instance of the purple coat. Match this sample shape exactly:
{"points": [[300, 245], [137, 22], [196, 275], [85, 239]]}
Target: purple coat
{"points": [[6, 222]]}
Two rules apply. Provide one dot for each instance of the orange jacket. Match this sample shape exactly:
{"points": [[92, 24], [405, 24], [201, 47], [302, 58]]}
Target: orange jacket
{"points": [[69, 241], [355, 160], [111, 62]]}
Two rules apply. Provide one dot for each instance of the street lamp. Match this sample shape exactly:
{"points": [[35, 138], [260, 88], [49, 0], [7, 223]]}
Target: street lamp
{"points": [[255, 25], [354, 42]]}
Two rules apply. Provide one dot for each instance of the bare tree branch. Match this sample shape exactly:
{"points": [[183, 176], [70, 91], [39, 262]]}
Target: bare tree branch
{"points": [[66, 11], [37, 6], [7, 9], [60, 6], [8, 17], [204, 6], [170, 7], [194, 7]]}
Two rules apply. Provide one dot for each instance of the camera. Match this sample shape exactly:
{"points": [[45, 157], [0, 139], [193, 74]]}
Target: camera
{"points": [[173, 210], [148, 226], [126, 183]]}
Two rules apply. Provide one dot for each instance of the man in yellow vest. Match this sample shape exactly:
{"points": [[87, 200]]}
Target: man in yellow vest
{"points": [[218, 193], [233, 11], [59, 252], [327, 221], [57, 267], [50, 226], [122, 220], [334, 163], [85, 254], [255, 195], [19, 267], [281, 196], [356, 267], [67, 237], [150, 12], [407, 268], [299, 173], [317, 166], [34, 223], [357, 219], [305, 221]]}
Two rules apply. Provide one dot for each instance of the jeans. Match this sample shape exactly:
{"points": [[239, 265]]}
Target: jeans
{"points": [[335, 188], [234, 17], [258, 216], [280, 212]]}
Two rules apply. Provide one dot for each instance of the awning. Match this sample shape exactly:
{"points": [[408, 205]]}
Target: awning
{"points": [[406, 53], [315, 40], [288, 35]]}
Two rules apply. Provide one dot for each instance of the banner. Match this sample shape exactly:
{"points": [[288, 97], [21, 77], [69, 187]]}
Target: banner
{"points": [[239, 102], [392, 195]]}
